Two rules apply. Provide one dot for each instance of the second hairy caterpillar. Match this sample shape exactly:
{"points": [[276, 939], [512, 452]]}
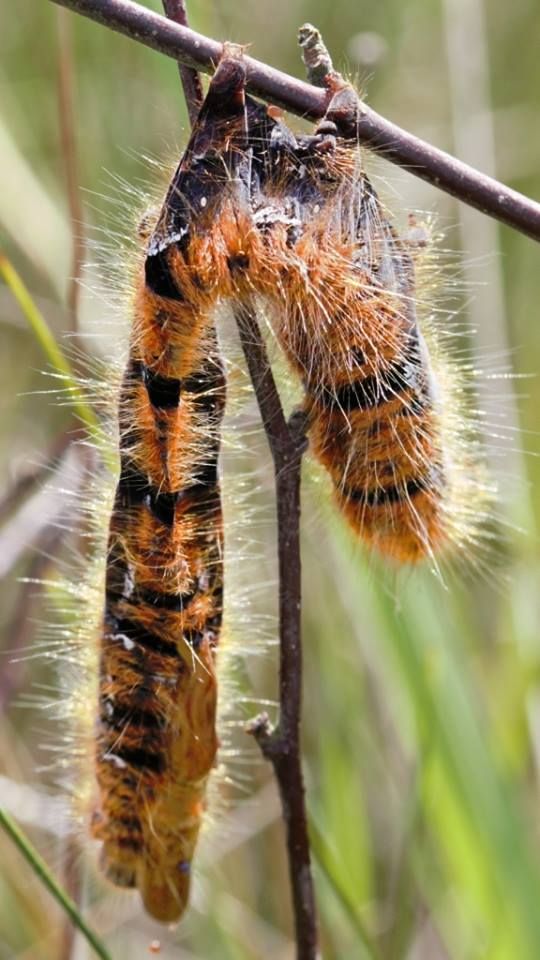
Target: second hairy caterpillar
{"points": [[252, 210], [350, 328]]}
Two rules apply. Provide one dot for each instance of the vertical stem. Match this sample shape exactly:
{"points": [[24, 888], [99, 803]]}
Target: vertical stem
{"points": [[190, 79], [285, 751], [282, 747]]}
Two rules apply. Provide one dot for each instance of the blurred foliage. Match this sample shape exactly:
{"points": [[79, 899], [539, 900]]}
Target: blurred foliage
{"points": [[422, 701]]}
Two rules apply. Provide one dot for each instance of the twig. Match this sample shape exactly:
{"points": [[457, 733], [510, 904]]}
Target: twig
{"points": [[281, 746], [287, 443], [315, 55], [191, 82], [422, 159]]}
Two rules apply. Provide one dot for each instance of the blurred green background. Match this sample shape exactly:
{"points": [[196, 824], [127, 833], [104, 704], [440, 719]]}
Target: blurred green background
{"points": [[422, 700]]}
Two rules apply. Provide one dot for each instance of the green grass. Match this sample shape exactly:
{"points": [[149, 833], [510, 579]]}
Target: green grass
{"points": [[421, 701], [42, 872]]}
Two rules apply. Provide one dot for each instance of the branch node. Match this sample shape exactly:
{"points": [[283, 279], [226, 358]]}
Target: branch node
{"points": [[273, 743], [260, 726], [261, 729], [315, 55]]}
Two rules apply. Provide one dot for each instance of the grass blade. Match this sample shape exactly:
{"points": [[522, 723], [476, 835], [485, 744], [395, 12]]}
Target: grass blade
{"points": [[41, 870], [325, 861], [48, 343]]}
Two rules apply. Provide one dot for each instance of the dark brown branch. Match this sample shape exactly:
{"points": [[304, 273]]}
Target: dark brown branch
{"points": [[425, 161], [287, 444], [191, 82], [282, 746]]}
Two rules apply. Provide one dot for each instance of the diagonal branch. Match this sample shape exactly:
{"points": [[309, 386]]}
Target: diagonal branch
{"points": [[420, 158]]}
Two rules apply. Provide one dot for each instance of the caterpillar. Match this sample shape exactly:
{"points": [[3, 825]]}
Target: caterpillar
{"points": [[156, 740], [347, 322], [349, 327], [252, 211]]}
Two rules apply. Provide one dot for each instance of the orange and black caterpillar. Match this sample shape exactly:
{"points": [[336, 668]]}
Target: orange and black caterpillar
{"points": [[349, 327], [252, 210], [405, 473], [156, 739]]}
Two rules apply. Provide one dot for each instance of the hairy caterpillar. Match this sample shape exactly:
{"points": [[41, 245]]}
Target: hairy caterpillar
{"points": [[350, 329], [156, 740], [252, 210], [348, 325]]}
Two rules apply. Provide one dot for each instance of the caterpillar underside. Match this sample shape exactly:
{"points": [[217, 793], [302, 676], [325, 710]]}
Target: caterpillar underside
{"points": [[252, 211]]}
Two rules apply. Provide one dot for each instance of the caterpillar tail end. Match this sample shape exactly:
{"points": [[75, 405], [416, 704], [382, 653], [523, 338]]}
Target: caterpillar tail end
{"points": [[399, 532], [165, 895]]}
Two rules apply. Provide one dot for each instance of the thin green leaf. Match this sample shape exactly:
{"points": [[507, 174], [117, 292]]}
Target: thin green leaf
{"points": [[41, 870], [326, 862], [48, 343]]}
